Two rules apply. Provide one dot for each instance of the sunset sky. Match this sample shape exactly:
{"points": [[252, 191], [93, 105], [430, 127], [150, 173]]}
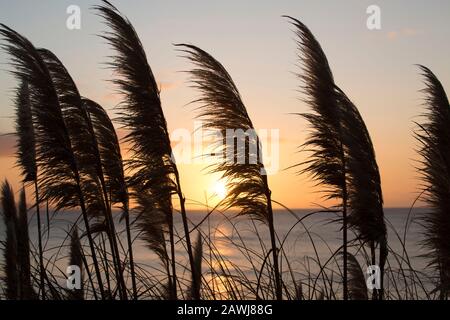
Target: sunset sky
{"points": [[376, 68]]}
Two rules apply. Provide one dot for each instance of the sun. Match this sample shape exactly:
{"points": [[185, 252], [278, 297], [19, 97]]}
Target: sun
{"points": [[220, 189]]}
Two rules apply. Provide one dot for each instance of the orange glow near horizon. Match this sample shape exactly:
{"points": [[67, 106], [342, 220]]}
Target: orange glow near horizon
{"points": [[203, 189]]}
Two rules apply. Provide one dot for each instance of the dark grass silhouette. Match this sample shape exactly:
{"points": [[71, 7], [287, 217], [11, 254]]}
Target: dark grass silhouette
{"points": [[155, 175], [342, 155], [62, 181], [114, 175], [69, 154], [84, 143], [357, 287], [433, 135], [222, 108], [17, 268], [327, 163], [26, 160]]}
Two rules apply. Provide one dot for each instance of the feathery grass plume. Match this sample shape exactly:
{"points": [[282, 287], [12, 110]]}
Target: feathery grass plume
{"points": [[198, 257], [325, 142], [154, 171], [76, 259], [85, 145], [357, 287], [222, 108], [343, 154], [12, 278], [111, 158], [17, 267], [23, 249], [26, 159], [59, 177], [434, 167], [109, 150], [151, 220], [365, 198], [26, 153]]}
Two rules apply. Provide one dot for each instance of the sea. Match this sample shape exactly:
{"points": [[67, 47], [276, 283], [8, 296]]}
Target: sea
{"points": [[238, 245]]}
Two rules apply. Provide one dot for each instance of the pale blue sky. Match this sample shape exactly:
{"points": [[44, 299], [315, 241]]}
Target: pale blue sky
{"points": [[375, 68]]}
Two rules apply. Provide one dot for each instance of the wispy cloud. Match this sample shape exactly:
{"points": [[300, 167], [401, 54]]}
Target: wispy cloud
{"points": [[403, 33], [166, 85]]}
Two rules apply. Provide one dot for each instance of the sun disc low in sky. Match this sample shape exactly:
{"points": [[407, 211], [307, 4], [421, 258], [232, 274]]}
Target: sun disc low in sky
{"points": [[219, 189]]}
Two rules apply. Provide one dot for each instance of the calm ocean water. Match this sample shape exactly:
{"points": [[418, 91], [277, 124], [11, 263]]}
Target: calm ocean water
{"points": [[227, 237]]}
